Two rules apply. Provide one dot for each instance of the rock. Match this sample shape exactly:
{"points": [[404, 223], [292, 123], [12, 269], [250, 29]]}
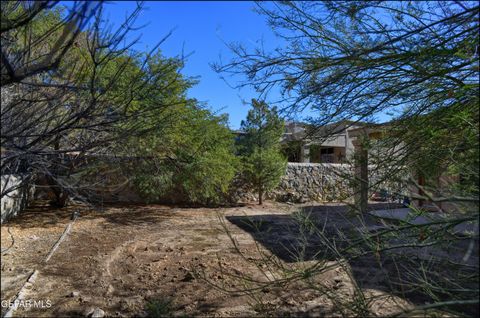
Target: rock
{"points": [[188, 277], [84, 299], [88, 312], [98, 313], [74, 294]]}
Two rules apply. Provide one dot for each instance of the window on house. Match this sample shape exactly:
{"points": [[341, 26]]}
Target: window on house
{"points": [[326, 151]]}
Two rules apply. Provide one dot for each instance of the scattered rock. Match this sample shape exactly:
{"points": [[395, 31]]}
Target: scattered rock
{"points": [[88, 312], [84, 299], [74, 294], [98, 313], [131, 304], [188, 277]]}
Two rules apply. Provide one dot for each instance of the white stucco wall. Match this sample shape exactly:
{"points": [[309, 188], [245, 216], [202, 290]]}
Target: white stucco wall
{"points": [[16, 195]]}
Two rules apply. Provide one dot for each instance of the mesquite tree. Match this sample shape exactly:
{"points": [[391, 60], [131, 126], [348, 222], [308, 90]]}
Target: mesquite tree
{"points": [[71, 85]]}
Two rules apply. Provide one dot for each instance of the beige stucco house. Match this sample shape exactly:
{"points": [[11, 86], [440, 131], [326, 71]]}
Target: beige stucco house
{"points": [[332, 143]]}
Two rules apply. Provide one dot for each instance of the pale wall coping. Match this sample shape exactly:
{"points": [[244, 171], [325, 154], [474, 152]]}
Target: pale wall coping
{"points": [[314, 164], [333, 165]]}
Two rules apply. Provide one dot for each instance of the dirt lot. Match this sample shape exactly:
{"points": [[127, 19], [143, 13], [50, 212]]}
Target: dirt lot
{"points": [[121, 258]]}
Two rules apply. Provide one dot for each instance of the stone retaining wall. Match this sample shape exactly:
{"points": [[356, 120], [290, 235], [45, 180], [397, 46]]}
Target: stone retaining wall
{"points": [[315, 182], [302, 182], [327, 182]]}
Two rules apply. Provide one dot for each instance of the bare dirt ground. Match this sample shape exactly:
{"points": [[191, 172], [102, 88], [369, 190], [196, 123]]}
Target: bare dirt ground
{"points": [[124, 257]]}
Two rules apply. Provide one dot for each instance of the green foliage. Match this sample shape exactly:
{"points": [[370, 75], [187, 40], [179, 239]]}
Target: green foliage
{"points": [[263, 128], [189, 150], [263, 162], [446, 142], [207, 163], [263, 169], [356, 60], [45, 28], [192, 161], [159, 308], [292, 150]]}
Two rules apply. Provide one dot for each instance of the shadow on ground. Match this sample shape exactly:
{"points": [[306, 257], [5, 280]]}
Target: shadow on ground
{"points": [[327, 232], [41, 214]]}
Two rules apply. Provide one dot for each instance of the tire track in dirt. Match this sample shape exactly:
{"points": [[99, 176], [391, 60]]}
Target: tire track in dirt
{"points": [[113, 256]]}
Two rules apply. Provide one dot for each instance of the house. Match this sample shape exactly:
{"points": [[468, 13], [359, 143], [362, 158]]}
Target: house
{"points": [[330, 143], [306, 143]]}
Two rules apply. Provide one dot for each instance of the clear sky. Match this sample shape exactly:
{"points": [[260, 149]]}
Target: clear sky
{"points": [[201, 28]]}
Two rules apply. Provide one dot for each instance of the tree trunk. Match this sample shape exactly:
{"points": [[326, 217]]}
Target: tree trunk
{"points": [[421, 183], [260, 196], [61, 195]]}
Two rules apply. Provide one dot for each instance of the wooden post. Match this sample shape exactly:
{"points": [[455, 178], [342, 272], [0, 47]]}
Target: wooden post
{"points": [[305, 153], [421, 183], [361, 176]]}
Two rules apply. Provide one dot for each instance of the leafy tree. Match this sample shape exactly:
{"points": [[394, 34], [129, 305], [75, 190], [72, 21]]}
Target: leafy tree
{"points": [[73, 87], [446, 143], [188, 151], [263, 161], [36, 36], [191, 160]]}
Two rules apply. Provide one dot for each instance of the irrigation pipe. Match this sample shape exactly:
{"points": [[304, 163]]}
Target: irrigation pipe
{"points": [[31, 279], [60, 240]]}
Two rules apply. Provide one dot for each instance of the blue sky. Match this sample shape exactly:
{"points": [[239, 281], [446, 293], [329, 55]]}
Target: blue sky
{"points": [[201, 28]]}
